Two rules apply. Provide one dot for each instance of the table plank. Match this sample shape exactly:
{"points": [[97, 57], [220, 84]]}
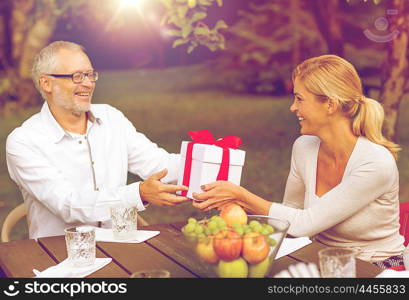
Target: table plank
{"points": [[56, 247], [19, 258], [138, 257], [309, 253]]}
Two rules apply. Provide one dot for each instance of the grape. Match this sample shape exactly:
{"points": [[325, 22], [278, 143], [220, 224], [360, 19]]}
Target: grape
{"points": [[207, 231], [264, 231], [247, 229], [212, 225], [189, 227], [272, 241], [199, 229], [240, 231], [201, 236], [257, 227], [214, 231], [254, 223], [270, 229], [191, 221]]}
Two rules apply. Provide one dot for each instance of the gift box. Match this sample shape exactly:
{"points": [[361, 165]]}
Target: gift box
{"points": [[205, 160]]}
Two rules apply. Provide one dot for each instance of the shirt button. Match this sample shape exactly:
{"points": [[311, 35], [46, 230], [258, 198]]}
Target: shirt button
{"points": [[97, 189], [92, 163], [80, 142]]}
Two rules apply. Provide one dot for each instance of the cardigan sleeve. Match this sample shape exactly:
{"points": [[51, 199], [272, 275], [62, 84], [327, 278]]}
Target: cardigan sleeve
{"points": [[367, 181]]}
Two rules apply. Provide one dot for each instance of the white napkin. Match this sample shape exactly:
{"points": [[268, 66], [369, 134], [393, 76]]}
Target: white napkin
{"points": [[300, 270], [290, 245], [64, 269], [106, 235], [390, 273]]}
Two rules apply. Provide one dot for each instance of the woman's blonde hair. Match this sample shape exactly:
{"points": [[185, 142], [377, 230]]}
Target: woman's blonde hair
{"points": [[332, 77]]}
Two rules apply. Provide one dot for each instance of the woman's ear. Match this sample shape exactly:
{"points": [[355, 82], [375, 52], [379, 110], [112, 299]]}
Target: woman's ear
{"points": [[332, 106], [45, 84]]}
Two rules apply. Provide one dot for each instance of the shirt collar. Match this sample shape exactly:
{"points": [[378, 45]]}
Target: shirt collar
{"points": [[55, 130]]}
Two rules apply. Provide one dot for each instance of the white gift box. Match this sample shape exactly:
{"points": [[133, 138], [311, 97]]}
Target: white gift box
{"points": [[206, 161]]}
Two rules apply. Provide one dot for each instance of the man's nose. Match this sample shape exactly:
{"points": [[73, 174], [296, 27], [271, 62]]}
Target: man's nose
{"points": [[87, 82]]}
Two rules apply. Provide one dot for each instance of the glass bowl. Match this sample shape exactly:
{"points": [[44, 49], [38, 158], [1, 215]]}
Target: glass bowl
{"points": [[240, 251]]}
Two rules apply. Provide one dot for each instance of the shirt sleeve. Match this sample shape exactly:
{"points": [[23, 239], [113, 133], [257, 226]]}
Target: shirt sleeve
{"points": [[35, 174], [366, 182]]}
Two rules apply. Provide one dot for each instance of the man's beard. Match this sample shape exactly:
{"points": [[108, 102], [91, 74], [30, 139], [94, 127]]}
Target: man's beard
{"points": [[69, 103]]}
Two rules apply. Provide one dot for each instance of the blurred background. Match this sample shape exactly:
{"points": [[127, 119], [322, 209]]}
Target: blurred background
{"points": [[177, 65]]}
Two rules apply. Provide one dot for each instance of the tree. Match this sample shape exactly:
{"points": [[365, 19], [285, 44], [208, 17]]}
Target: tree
{"points": [[396, 69], [27, 26]]}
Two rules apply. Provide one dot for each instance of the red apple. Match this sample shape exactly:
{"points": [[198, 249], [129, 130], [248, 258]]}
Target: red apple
{"points": [[255, 247], [205, 251], [227, 244], [233, 214]]}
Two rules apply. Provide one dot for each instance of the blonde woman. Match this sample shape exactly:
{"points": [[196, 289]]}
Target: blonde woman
{"points": [[343, 186]]}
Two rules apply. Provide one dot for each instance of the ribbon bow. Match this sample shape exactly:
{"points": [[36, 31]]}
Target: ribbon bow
{"points": [[205, 137]]}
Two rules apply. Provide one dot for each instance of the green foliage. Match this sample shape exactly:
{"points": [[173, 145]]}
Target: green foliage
{"points": [[186, 19]]}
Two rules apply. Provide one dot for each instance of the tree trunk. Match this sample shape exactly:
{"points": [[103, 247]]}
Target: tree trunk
{"points": [[396, 69], [326, 13]]}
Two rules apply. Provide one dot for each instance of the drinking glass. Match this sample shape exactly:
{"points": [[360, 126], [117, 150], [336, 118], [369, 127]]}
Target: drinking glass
{"points": [[80, 243], [155, 273], [124, 221], [337, 262]]}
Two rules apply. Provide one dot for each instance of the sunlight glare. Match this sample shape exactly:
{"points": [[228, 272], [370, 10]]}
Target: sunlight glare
{"points": [[131, 3]]}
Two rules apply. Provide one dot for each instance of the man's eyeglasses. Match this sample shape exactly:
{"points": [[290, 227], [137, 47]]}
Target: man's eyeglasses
{"points": [[78, 77]]}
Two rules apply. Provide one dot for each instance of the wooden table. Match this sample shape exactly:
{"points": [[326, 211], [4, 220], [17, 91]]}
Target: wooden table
{"points": [[168, 250]]}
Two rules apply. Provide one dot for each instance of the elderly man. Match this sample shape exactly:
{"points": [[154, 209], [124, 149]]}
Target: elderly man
{"points": [[71, 160]]}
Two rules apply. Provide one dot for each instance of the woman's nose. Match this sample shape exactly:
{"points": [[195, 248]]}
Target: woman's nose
{"points": [[293, 108]]}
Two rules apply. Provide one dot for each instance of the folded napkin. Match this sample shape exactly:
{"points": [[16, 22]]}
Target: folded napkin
{"points": [[290, 245], [64, 269], [300, 270], [106, 235], [389, 273]]}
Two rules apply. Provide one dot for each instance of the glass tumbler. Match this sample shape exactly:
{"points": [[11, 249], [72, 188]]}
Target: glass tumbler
{"points": [[124, 221], [337, 262], [80, 242]]}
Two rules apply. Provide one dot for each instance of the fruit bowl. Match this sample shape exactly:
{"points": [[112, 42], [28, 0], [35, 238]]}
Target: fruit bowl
{"points": [[235, 247]]}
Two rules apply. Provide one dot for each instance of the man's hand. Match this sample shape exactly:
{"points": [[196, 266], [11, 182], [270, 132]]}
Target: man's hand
{"points": [[154, 191]]}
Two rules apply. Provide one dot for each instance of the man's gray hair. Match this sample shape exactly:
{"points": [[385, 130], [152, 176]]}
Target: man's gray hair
{"points": [[45, 62]]}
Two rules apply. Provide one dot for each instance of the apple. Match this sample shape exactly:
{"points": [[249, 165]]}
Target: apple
{"points": [[255, 247], [205, 251], [237, 268], [259, 270], [233, 214], [227, 244]]}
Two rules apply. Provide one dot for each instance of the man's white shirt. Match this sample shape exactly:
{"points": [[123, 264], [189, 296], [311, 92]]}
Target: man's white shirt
{"points": [[69, 179]]}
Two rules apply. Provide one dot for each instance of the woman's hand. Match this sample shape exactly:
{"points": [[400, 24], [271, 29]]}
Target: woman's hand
{"points": [[217, 194]]}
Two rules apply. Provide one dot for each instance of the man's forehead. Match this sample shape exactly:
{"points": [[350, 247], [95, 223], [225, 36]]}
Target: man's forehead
{"points": [[73, 60]]}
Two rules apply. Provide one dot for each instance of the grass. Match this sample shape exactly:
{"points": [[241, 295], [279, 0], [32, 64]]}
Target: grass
{"points": [[166, 104]]}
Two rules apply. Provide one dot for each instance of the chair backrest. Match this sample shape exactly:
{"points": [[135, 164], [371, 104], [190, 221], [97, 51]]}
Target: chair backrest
{"points": [[20, 211], [11, 220], [404, 221]]}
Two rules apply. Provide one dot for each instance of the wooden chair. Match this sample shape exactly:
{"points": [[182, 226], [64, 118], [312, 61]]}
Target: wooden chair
{"points": [[20, 211], [11, 220]]}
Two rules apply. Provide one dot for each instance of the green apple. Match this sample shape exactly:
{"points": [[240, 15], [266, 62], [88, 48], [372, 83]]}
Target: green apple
{"points": [[259, 270], [237, 268]]}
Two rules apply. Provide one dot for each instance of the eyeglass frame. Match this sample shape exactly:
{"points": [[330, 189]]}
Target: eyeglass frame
{"points": [[84, 74]]}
